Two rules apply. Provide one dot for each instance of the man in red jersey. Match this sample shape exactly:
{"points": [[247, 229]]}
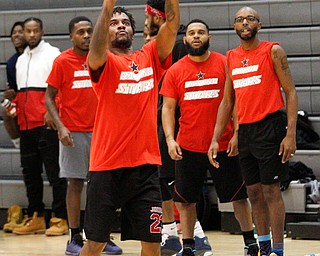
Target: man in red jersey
{"points": [[155, 17], [256, 71], [69, 78], [196, 83], [124, 150]]}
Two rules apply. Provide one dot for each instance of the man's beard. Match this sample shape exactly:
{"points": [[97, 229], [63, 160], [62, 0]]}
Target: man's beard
{"points": [[198, 51], [34, 45], [254, 31], [121, 44], [154, 28]]}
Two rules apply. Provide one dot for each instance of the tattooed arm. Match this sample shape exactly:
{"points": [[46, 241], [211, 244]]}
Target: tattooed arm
{"points": [[168, 31], [281, 67]]}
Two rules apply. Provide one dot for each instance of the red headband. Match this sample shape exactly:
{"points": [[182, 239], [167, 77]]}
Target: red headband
{"points": [[152, 11]]}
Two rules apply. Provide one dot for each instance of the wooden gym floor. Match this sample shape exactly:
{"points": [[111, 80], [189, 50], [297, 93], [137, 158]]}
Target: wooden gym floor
{"points": [[224, 244]]}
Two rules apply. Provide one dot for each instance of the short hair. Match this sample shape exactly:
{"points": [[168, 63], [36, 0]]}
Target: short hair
{"points": [[75, 20], [120, 9], [17, 23], [157, 4], [198, 21], [33, 19]]}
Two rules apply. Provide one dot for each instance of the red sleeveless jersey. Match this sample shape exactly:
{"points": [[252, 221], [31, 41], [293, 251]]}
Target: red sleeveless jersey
{"points": [[255, 82]]}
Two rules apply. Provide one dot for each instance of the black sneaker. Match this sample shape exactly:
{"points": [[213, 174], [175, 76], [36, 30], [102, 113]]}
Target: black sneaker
{"points": [[187, 251], [251, 250]]}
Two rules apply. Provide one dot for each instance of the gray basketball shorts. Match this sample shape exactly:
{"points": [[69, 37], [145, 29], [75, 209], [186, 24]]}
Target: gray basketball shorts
{"points": [[74, 161]]}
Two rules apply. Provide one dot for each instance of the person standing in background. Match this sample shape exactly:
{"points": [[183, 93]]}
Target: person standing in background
{"points": [[19, 43], [196, 83], [38, 142], [148, 35], [256, 72], [155, 17], [69, 78]]}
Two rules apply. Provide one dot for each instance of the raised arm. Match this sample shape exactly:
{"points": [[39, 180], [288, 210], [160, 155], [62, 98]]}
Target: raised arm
{"points": [[281, 67], [100, 38], [168, 31]]}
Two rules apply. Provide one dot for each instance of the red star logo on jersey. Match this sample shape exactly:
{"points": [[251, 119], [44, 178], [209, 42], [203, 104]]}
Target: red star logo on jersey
{"points": [[134, 67], [245, 62], [200, 75]]}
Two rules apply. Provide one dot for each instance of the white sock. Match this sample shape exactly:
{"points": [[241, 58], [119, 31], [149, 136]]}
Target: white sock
{"points": [[16, 142], [198, 231], [170, 229]]}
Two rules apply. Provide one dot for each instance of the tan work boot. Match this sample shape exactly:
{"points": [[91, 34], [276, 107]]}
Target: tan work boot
{"points": [[34, 225], [58, 227], [14, 218]]}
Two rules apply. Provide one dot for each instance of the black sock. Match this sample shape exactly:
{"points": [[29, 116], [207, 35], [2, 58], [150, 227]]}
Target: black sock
{"points": [[248, 237], [188, 243], [74, 231]]}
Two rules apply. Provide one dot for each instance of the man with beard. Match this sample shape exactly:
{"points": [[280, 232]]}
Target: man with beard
{"points": [[155, 17], [147, 34], [196, 83], [256, 72], [124, 151], [39, 144], [69, 78]]}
